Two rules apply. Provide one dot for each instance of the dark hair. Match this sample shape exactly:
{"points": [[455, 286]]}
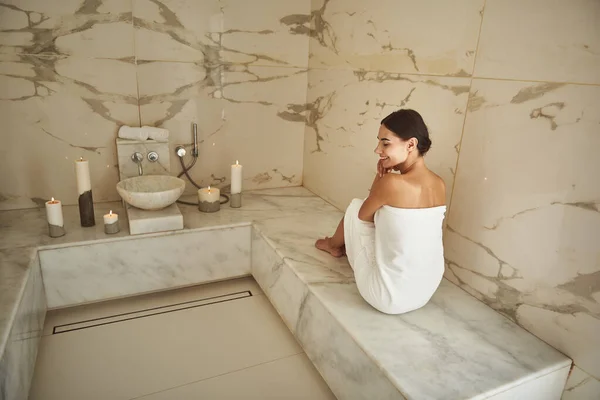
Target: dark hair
{"points": [[408, 124]]}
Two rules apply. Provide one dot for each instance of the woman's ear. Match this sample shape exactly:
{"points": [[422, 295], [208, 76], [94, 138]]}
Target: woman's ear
{"points": [[412, 144]]}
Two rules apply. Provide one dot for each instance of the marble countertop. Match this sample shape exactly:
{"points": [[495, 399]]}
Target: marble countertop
{"points": [[454, 343]]}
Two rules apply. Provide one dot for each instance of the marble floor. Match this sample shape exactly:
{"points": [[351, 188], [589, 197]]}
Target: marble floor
{"points": [[216, 341]]}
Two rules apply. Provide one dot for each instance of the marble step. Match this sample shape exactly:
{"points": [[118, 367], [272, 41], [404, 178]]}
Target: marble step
{"points": [[455, 347]]}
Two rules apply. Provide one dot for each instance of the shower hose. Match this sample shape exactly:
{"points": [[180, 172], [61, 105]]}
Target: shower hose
{"points": [[185, 172]]}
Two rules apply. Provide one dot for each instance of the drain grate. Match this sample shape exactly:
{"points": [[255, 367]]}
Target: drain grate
{"points": [[112, 319]]}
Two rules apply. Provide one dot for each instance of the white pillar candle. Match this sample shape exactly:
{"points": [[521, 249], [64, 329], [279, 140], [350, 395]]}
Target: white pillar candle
{"points": [[56, 224], [54, 212], [82, 170], [209, 199], [236, 178]]}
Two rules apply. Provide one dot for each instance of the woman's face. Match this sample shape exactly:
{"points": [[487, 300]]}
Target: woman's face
{"points": [[391, 149]]}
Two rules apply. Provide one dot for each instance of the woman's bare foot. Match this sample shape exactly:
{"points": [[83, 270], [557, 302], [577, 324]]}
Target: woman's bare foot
{"points": [[325, 245]]}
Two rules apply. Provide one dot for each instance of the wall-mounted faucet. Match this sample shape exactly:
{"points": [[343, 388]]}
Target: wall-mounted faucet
{"points": [[137, 158]]}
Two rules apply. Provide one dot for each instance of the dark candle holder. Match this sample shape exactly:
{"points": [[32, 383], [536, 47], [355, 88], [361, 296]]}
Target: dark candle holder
{"points": [[86, 209]]}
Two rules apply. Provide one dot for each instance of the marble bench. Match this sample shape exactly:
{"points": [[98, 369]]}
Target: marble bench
{"points": [[453, 348]]}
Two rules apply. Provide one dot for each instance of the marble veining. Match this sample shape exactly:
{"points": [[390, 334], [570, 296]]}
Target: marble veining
{"points": [[373, 355], [345, 109], [348, 370], [121, 268], [581, 386], [36, 92], [489, 354], [347, 34], [238, 70], [522, 239]]}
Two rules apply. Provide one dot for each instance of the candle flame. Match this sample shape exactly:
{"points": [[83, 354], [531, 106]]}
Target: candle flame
{"points": [[52, 199], [110, 213], [209, 189], [80, 158], [236, 162]]}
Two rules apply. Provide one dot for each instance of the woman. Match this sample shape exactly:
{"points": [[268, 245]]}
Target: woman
{"points": [[393, 239]]}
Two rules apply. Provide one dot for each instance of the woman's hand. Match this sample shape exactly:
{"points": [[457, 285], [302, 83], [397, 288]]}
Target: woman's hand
{"points": [[381, 170]]}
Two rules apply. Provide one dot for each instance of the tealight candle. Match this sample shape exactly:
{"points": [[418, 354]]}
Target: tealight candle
{"points": [[111, 223], [56, 224], [236, 185], [209, 199]]}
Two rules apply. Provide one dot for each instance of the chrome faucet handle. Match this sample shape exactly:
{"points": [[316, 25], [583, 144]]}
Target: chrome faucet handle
{"points": [[180, 150], [137, 157], [153, 156]]}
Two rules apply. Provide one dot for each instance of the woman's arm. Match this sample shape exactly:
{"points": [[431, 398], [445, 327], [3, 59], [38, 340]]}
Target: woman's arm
{"points": [[378, 197]]}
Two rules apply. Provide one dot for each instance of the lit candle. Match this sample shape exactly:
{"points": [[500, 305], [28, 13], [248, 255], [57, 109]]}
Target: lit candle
{"points": [[236, 185], [56, 224], [84, 189], [209, 199], [236, 178], [111, 223]]}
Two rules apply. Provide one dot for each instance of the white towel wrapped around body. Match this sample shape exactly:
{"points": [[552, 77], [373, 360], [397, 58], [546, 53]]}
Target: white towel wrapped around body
{"points": [[132, 133], [398, 261]]}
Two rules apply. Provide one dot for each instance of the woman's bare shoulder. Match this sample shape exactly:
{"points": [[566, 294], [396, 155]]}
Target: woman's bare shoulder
{"points": [[438, 185]]}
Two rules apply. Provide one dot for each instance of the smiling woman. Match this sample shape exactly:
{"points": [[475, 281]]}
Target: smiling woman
{"points": [[393, 238]]}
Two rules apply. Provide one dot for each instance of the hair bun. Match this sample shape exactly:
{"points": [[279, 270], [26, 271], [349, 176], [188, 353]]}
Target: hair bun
{"points": [[406, 124]]}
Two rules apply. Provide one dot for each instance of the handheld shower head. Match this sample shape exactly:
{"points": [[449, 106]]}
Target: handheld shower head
{"points": [[195, 150]]}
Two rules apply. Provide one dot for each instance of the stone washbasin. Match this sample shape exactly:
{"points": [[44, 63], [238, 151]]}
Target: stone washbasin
{"points": [[151, 192]]}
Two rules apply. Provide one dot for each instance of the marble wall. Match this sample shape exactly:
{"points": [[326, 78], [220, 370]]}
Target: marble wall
{"points": [[73, 71], [369, 59], [511, 93]]}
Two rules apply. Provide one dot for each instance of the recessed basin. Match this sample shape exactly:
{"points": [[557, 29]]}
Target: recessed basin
{"points": [[151, 192]]}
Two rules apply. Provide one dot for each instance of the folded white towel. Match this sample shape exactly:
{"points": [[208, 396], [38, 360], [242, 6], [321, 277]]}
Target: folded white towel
{"points": [[128, 132], [154, 133]]}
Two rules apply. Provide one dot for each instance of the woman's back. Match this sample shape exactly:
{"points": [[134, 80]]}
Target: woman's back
{"points": [[407, 246], [420, 188]]}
